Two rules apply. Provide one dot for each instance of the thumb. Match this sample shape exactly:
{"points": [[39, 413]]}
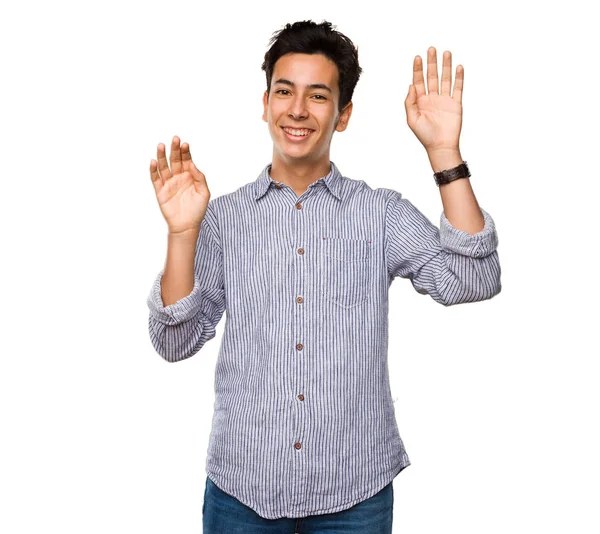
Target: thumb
{"points": [[196, 172], [411, 104], [198, 176]]}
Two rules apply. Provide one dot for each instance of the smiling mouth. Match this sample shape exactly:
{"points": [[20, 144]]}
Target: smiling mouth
{"points": [[297, 134]]}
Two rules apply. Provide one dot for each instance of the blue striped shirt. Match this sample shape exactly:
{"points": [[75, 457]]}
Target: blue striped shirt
{"points": [[304, 421]]}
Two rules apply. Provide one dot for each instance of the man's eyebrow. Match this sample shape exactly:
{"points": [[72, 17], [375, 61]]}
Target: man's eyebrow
{"points": [[309, 86]]}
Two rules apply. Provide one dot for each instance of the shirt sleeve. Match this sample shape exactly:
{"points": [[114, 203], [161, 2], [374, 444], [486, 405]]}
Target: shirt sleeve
{"points": [[180, 330], [450, 265]]}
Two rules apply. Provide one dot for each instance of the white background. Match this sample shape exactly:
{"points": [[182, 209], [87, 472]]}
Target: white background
{"points": [[497, 402]]}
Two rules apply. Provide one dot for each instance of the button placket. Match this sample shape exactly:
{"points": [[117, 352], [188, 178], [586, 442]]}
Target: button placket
{"points": [[299, 361]]}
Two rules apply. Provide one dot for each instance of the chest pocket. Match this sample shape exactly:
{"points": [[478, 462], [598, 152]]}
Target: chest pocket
{"points": [[345, 270]]}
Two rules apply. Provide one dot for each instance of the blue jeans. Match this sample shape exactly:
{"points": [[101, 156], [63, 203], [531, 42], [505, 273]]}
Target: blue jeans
{"points": [[224, 514]]}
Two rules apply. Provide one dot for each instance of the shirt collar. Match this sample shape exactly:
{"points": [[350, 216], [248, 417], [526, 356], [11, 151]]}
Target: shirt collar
{"points": [[333, 181]]}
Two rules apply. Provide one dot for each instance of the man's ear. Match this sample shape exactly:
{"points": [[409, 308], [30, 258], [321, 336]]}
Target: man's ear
{"points": [[344, 117], [265, 103]]}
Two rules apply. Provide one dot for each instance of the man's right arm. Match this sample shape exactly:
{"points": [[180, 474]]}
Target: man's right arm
{"points": [[187, 298], [178, 272]]}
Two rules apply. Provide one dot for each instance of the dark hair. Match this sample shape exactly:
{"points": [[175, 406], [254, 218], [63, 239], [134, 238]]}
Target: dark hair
{"points": [[308, 37]]}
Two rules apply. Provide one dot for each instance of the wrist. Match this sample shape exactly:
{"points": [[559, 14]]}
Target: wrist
{"points": [[443, 159], [190, 234]]}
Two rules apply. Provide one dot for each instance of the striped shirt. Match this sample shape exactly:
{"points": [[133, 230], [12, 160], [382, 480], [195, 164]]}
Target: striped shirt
{"points": [[304, 421]]}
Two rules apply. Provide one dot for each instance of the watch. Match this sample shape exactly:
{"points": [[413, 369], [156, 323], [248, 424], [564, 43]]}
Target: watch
{"points": [[448, 175]]}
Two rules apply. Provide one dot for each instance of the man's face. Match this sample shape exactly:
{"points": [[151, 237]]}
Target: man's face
{"points": [[293, 103]]}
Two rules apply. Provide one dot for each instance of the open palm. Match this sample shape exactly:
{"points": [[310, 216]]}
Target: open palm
{"points": [[181, 191], [435, 117]]}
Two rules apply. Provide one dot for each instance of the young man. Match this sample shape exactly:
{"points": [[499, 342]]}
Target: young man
{"points": [[304, 434]]}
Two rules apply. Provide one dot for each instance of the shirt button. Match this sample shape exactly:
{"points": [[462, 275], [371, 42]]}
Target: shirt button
{"points": [[476, 253], [299, 346], [298, 206], [299, 300], [297, 445], [277, 186], [301, 397], [300, 251]]}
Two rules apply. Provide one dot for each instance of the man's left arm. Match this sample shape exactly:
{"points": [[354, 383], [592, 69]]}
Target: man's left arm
{"points": [[460, 205], [467, 237]]}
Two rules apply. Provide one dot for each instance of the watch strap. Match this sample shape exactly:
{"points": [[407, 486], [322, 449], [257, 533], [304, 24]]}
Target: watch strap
{"points": [[449, 175]]}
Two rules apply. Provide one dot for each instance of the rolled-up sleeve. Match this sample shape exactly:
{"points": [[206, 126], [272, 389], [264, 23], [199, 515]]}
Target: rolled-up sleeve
{"points": [[181, 329], [450, 265]]}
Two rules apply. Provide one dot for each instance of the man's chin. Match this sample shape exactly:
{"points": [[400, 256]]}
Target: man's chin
{"points": [[292, 156]]}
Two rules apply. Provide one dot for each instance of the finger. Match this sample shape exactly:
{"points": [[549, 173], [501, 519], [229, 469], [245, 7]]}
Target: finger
{"points": [[198, 175], [432, 75], [186, 157], [175, 157], [163, 166], [447, 73], [459, 83], [410, 103], [418, 80], [155, 177]]}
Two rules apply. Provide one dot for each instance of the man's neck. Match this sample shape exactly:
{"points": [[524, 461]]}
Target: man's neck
{"points": [[299, 175]]}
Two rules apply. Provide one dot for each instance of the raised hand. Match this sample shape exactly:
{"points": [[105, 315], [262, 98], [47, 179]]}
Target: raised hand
{"points": [[435, 117], [181, 191]]}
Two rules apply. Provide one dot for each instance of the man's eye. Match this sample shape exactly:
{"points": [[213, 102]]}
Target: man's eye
{"points": [[281, 91]]}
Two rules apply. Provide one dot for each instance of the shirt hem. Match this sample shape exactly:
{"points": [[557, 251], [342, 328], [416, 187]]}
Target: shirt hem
{"points": [[304, 513]]}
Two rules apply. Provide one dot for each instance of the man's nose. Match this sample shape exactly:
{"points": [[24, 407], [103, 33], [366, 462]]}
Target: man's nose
{"points": [[297, 108]]}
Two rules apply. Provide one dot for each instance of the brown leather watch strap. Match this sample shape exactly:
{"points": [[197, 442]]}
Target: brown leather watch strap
{"points": [[448, 175]]}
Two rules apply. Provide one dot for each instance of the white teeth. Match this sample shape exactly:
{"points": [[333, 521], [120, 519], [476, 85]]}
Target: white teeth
{"points": [[297, 132]]}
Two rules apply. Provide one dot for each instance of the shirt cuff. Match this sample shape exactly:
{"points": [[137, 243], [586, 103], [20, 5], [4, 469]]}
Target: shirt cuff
{"points": [[477, 245], [178, 312]]}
